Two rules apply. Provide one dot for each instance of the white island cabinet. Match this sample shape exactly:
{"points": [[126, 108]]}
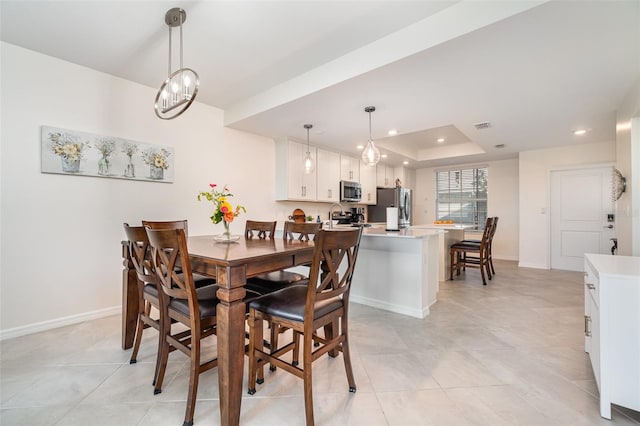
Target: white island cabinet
{"points": [[397, 271], [612, 328]]}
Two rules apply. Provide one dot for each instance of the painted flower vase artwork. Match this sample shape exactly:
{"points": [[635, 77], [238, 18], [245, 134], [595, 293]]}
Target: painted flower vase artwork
{"points": [[106, 148], [157, 161], [70, 150], [129, 149]]}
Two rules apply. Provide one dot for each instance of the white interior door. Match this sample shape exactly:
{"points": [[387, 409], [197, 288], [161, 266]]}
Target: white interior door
{"points": [[580, 223]]}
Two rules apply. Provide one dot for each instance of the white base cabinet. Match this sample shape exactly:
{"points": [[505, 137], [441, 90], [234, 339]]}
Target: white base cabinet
{"points": [[612, 328]]}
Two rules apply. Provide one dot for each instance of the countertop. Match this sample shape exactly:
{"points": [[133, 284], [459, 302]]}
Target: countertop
{"points": [[622, 266]]}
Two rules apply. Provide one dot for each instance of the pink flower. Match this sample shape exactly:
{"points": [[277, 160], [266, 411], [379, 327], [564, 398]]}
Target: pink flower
{"points": [[212, 185]]}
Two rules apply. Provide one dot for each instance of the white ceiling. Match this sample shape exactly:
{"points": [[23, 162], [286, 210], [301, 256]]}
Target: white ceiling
{"points": [[535, 70]]}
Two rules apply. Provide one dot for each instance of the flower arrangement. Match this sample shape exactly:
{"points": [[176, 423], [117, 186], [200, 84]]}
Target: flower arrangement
{"points": [[67, 147], [223, 211], [106, 147], [129, 148], [156, 158]]}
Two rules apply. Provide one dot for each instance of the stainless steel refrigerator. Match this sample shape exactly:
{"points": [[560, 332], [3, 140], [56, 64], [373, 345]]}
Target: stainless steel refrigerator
{"points": [[392, 197]]}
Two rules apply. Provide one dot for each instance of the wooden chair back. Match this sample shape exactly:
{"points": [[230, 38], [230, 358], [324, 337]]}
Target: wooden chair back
{"points": [[169, 257], [138, 245], [262, 230], [168, 224], [334, 259], [303, 231]]}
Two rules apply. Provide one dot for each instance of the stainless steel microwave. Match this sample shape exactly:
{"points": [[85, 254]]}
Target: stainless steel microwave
{"points": [[350, 191]]}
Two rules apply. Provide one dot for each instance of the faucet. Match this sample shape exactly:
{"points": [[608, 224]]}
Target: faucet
{"points": [[331, 213]]}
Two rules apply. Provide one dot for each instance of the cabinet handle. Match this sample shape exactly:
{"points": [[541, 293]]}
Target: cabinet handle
{"points": [[368, 196], [587, 326], [328, 193], [591, 286]]}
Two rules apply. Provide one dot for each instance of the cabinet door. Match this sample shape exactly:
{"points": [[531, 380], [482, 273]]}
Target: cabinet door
{"points": [[368, 182], [302, 186], [385, 177], [328, 169], [349, 169]]}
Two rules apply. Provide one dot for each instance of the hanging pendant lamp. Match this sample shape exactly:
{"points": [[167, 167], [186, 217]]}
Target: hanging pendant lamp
{"points": [[180, 88], [371, 154], [309, 165]]}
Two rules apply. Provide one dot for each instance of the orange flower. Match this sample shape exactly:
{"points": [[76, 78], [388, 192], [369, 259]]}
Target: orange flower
{"points": [[228, 217]]}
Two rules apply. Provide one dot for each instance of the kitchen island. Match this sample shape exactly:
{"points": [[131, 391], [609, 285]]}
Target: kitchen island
{"points": [[452, 234], [397, 270]]}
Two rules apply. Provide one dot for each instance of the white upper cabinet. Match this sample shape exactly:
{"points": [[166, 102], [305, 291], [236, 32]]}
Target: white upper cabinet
{"points": [[349, 168], [292, 183], [386, 177], [368, 183], [328, 169]]}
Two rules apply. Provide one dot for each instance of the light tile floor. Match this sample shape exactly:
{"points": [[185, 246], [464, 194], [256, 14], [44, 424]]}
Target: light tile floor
{"points": [[510, 353]]}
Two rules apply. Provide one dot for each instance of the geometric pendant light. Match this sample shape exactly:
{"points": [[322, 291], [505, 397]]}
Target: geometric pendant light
{"points": [[180, 88]]}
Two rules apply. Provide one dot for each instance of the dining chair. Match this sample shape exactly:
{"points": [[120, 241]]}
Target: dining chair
{"points": [[306, 309], [182, 303], [260, 229], [471, 254], [277, 280], [148, 296], [200, 280], [494, 226]]}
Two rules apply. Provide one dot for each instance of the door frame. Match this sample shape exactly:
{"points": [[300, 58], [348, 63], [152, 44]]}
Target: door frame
{"points": [[549, 207]]}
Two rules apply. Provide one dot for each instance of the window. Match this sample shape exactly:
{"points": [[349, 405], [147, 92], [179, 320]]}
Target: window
{"points": [[461, 196]]}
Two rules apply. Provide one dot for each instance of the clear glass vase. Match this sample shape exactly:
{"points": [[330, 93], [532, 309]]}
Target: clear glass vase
{"points": [[226, 236]]}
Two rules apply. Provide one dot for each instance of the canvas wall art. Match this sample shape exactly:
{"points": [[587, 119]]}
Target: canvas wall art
{"points": [[85, 154]]}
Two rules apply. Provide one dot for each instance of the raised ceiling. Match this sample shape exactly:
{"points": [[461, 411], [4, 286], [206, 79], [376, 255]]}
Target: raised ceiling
{"points": [[535, 70]]}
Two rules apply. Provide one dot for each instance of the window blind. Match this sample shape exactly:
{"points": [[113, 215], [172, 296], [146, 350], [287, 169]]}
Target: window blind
{"points": [[461, 196]]}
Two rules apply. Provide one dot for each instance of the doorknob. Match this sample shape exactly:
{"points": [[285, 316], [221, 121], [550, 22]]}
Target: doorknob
{"points": [[608, 226]]}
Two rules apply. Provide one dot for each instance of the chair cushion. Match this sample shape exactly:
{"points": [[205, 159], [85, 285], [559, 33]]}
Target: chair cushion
{"points": [[262, 286], [151, 289], [466, 246], [289, 303], [278, 277], [206, 299], [471, 241], [202, 280]]}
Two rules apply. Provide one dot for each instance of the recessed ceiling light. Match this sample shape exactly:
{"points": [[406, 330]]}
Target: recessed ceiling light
{"points": [[440, 140], [384, 156], [393, 132], [405, 162], [580, 132], [360, 146]]}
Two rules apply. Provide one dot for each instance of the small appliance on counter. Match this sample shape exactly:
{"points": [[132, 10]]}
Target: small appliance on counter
{"points": [[353, 216]]}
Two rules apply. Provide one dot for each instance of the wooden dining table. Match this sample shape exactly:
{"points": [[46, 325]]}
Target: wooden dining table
{"points": [[231, 264]]}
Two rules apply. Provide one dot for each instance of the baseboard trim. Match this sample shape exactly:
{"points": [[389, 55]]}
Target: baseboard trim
{"points": [[398, 309], [58, 322], [531, 265]]}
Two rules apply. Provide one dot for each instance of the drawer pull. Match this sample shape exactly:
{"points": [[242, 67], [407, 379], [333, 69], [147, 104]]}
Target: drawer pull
{"points": [[587, 328], [591, 286]]}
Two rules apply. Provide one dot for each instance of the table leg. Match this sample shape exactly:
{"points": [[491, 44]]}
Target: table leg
{"points": [[231, 341], [129, 300]]}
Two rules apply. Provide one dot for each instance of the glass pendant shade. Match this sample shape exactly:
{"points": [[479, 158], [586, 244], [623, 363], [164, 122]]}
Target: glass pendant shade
{"points": [[371, 154], [309, 165]]}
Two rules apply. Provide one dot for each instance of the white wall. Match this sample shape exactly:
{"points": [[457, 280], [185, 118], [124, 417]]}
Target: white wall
{"points": [[628, 162], [535, 167], [60, 247], [502, 202]]}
